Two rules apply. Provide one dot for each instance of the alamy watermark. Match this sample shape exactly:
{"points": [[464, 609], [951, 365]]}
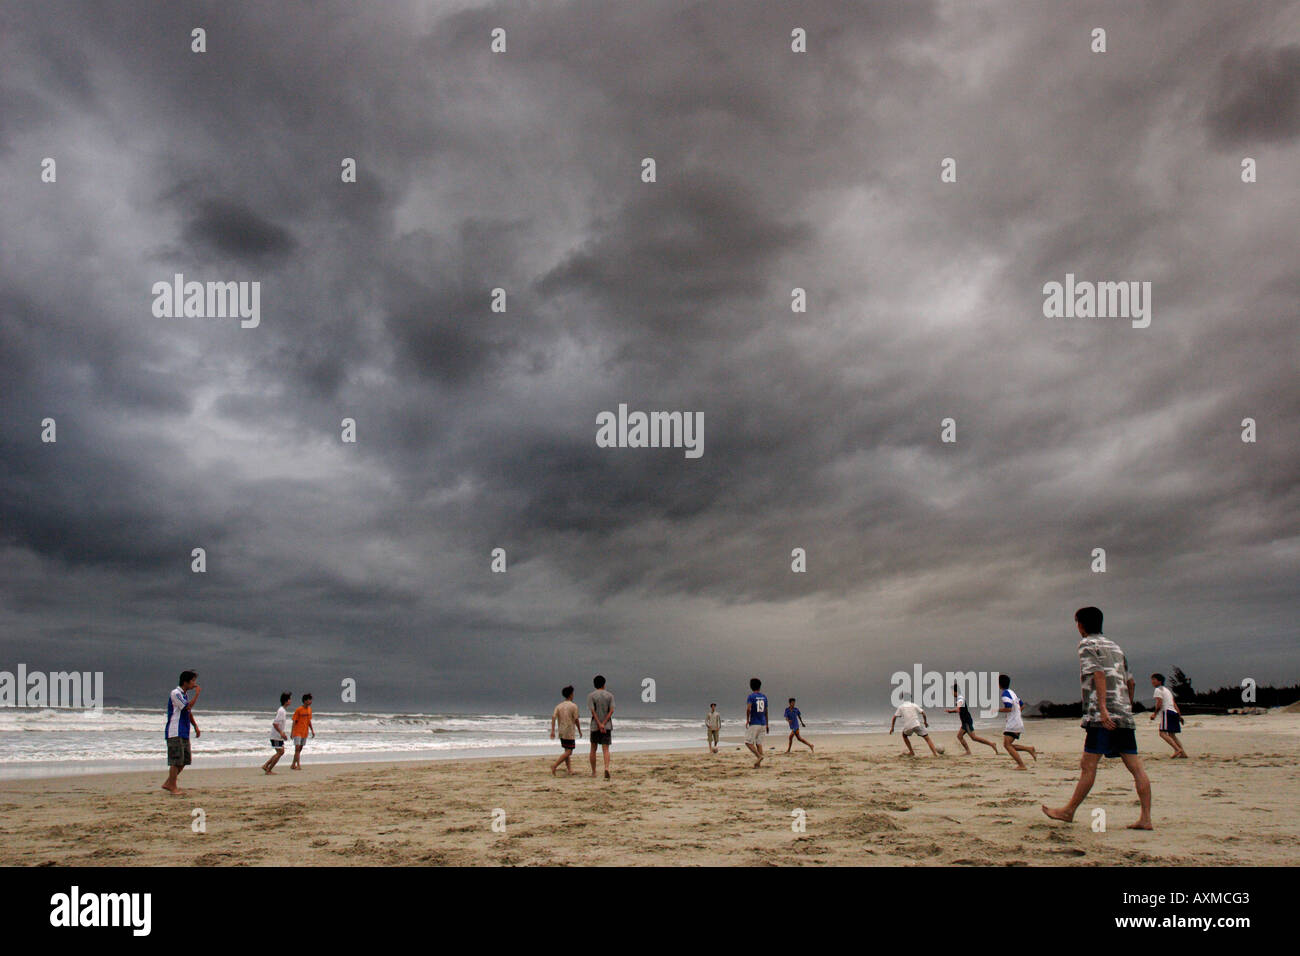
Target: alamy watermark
{"points": [[77, 909], [210, 300], [651, 430], [931, 688], [78, 690], [1098, 300]]}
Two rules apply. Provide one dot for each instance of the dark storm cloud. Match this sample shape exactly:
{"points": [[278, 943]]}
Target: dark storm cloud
{"points": [[476, 428], [238, 232], [440, 318], [676, 254], [1256, 98]]}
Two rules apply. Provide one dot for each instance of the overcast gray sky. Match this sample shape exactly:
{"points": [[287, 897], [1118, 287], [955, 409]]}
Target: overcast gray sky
{"points": [[476, 430]]}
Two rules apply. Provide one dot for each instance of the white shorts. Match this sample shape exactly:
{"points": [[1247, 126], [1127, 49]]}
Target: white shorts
{"points": [[754, 733], [919, 730]]}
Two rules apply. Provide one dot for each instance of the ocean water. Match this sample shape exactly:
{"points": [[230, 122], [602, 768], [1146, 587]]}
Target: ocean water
{"points": [[39, 743]]}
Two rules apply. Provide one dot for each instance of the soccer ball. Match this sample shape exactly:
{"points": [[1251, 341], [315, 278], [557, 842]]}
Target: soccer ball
{"points": [[939, 747]]}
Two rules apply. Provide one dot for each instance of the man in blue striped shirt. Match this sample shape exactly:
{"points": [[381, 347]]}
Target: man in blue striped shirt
{"points": [[180, 718]]}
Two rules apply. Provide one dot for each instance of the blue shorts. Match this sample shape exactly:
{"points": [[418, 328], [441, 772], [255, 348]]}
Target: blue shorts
{"points": [[1171, 722], [1110, 743]]}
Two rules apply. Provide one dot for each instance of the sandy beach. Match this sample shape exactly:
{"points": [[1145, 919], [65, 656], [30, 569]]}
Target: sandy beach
{"points": [[1236, 801]]}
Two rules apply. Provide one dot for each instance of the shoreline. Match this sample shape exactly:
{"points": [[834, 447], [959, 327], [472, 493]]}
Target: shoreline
{"points": [[92, 769], [15, 773], [47, 770], [20, 772], [333, 768]]}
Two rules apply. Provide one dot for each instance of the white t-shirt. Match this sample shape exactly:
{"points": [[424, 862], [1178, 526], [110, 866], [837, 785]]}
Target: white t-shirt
{"points": [[713, 720], [566, 718], [911, 714], [1011, 699], [282, 721], [1166, 698], [961, 701]]}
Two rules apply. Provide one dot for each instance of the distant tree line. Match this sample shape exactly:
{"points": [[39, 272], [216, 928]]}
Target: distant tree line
{"points": [[1188, 697], [1181, 685]]}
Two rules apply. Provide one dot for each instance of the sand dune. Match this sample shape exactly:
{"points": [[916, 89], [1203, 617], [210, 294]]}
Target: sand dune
{"points": [[1236, 800]]}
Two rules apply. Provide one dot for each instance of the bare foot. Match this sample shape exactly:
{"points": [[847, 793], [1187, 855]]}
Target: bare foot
{"points": [[1022, 767], [552, 771], [606, 774], [1033, 753], [758, 763], [812, 749], [1062, 814], [1140, 825]]}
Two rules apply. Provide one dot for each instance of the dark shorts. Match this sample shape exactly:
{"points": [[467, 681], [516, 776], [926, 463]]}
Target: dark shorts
{"points": [[277, 743], [1171, 723], [967, 724], [567, 743], [1011, 733], [601, 737], [1111, 743], [178, 751]]}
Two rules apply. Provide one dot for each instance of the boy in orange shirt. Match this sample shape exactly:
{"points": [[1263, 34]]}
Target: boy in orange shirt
{"points": [[301, 727]]}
